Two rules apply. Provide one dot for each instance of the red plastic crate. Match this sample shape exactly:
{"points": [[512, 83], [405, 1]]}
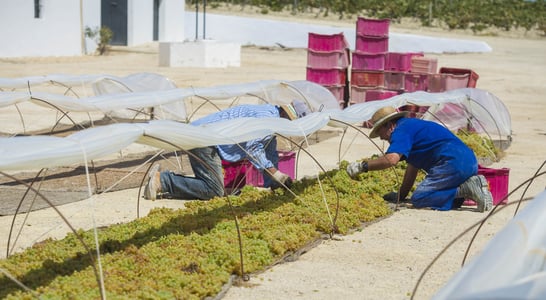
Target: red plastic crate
{"points": [[473, 76], [371, 44], [498, 180], [424, 64], [327, 42], [333, 76], [327, 59], [367, 78], [401, 62], [415, 82], [373, 27], [239, 174], [394, 80], [368, 61]]}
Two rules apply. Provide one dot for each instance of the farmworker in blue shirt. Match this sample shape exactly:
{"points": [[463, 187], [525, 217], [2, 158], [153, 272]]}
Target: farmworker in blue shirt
{"points": [[451, 167], [204, 185]]}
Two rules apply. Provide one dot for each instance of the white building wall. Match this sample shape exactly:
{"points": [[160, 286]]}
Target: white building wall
{"points": [[171, 21], [140, 20], [91, 18], [58, 31]]}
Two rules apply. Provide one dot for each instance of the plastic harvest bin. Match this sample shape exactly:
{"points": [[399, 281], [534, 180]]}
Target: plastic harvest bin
{"points": [[473, 76], [498, 184], [241, 173], [372, 27]]}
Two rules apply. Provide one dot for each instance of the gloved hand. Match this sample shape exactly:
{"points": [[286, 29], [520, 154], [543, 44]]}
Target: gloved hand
{"points": [[392, 197], [354, 168], [281, 180]]}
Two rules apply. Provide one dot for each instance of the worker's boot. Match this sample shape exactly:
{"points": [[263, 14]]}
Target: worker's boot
{"points": [[477, 189], [153, 186]]}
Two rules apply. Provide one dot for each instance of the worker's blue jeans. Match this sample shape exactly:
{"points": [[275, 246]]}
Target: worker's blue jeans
{"points": [[207, 182], [439, 188], [208, 179]]}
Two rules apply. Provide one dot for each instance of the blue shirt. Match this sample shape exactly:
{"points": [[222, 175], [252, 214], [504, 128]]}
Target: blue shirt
{"points": [[255, 148], [425, 144]]}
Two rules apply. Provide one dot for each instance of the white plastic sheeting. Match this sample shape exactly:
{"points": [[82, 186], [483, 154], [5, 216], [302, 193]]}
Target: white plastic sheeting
{"points": [[511, 266], [63, 79], [140, 82], [455, 109], [119, 94], [37, 152]]}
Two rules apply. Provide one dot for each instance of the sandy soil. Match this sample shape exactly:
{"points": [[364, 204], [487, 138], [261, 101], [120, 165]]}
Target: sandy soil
{"points": [[383, 260]]}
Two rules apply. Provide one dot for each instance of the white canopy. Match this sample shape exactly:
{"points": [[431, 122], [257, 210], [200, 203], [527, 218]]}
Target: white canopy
{"points": [[132, 94], [93, 143], [511, 266]]}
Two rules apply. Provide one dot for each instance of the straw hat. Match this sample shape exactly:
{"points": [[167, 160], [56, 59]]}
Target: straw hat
{"points": [[383, 116], [296, 109]]}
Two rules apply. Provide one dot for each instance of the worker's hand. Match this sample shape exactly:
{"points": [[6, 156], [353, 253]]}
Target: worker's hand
{"points": [[391, 197], [282, 180], [354, 168]]}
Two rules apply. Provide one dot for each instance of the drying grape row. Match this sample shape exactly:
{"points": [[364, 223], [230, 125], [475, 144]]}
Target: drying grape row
{"points": [[191, 253]]}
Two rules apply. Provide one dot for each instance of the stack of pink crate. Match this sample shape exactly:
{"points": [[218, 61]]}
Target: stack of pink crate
{"points": [[328, 62], [376, 73], [368, 61]]}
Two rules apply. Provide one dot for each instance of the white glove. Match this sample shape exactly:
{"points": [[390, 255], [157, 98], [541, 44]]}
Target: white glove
{"points": [[354, 168], [280, 177]]}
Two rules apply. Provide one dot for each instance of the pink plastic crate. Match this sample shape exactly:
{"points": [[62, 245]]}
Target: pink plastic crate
{"points": [[378, 94], [415, 82], [415, 111], [373, 27], [436, 83], [394, 80], [333, 76], [367, 78], [424, 64], [327, 59], [239, 174], [498, 180], [453, 82], [327, 42], [368, 61], [398, 61], [473, 76], [358, 94], [337, 90], [371, 44], [444, 82]]}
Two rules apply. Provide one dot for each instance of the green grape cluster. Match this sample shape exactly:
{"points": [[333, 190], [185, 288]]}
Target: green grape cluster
{"points": [[191, 253], [483, 147]]}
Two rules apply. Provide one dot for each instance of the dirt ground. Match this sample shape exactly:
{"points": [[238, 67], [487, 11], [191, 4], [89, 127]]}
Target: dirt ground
{"points": [[382, 261]]}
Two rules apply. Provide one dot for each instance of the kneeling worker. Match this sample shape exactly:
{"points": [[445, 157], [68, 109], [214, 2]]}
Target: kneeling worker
{"points": [[451, 167], [206, 184]]}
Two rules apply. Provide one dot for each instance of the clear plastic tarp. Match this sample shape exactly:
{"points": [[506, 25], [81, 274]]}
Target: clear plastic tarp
{"points": [[155, 97], [455, 109], [511, 266]]}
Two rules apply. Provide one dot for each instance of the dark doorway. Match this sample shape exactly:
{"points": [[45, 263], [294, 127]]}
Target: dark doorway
{"points": [[157, 3], [114, 16]]}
